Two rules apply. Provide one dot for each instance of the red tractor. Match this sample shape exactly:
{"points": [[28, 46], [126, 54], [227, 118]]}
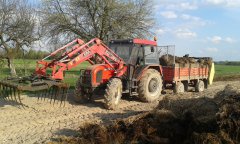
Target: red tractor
{"points": [[141, 74], [126, 66]]}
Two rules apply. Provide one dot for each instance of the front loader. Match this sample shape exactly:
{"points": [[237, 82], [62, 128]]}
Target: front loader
{"points": [[126, 66]]}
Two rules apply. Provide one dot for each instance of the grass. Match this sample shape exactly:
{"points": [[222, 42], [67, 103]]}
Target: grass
{"points": [[26, 67], [227, 70]]}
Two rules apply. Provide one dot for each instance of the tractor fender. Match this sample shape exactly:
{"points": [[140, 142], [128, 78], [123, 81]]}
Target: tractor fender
{"points": [[140, 70]]}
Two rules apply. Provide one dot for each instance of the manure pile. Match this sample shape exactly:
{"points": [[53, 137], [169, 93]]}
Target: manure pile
{"points": [[168, 60], [198, 120]]}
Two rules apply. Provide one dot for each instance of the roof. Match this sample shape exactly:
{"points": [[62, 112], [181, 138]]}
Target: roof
{"points": [[136, 41]]}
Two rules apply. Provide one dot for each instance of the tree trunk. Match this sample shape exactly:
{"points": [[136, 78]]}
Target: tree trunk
{"points": [[11, 67]]}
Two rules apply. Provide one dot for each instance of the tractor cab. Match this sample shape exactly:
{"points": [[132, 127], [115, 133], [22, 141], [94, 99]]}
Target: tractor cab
{"points": [[141, 56], [136, 51]]}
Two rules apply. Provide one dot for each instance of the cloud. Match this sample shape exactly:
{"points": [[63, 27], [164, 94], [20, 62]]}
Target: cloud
{"points": [[160, 31], [188, 6], [189, 17], [229, 40], [175, 5], [211, 49], [185, 33], [169, 14], [224, 3], [215, 39], [219, 39]]}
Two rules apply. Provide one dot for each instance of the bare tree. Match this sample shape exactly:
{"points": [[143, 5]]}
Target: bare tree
{"points": [[17, 29], [115, 19]]}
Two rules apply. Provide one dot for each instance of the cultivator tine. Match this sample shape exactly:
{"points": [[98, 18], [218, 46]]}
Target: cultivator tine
{"points": [[45, 94], [5, 92], [49, 92], [56, 94], [63, 93], [52, 94], [15, 94], [42, 94], [1, 91], [66, 95], [19, 97], [11, 93]]}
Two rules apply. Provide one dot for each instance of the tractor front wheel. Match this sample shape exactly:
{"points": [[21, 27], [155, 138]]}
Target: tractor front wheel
{"points": [[113, 93], [150, 86], [80, 96]]}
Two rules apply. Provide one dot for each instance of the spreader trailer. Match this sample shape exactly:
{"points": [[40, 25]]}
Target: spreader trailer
{"points": [[184, 72]]}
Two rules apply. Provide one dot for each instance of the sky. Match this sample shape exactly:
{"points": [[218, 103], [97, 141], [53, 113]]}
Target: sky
{"points": [[209, 28]]}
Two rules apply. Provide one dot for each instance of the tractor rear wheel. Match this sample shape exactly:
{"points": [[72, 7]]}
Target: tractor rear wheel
{"points": [[199, 86], [113, 93], [150, 86], [80, 96], [179, 88]]}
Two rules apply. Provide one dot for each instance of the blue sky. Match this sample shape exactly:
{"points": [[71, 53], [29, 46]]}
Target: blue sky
{"points": [[200, 27]]}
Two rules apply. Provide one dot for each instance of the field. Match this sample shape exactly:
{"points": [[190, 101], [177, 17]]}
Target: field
{"points": [[207, 117], [26, 67], [222, 70]]}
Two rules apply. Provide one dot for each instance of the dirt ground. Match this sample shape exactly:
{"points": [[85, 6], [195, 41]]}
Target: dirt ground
{"points": [[40, 122]]}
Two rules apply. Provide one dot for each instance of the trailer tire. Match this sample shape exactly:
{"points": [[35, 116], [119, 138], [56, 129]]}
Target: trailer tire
{"points": [[179, 88], [199, 86], [150, 86], [186, 86], [80, 96], [113, 94], [206, 84]]}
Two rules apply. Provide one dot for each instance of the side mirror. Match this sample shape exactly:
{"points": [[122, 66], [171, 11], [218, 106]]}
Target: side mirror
{"points": [[152, 49]]}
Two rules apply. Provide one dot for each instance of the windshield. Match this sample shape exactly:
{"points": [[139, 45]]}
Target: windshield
{"points": [[122, 50], [150, 55]]}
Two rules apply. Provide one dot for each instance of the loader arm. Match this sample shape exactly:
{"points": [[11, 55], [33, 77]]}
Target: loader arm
{"points": [[64, 58], [79, 53]]}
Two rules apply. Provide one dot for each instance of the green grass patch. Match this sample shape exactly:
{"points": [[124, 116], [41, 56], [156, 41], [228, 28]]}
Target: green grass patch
{"points": [[227, 70]]}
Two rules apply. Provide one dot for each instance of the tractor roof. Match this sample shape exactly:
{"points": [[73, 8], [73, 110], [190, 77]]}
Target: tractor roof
{"points": [[136, 41]]}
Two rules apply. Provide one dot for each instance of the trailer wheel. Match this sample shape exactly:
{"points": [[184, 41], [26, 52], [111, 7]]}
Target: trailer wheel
{"points": [[150, 86], [113, 94], [178, 88], [205, 84], [186, 86], [199, 86], [80, 96]]}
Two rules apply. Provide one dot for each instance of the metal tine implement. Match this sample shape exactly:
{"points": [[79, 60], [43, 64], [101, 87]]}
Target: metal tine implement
{"points": [[11, 88]]}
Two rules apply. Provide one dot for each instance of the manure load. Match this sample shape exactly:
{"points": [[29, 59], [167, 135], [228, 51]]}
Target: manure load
{"points": [[170, 60]]}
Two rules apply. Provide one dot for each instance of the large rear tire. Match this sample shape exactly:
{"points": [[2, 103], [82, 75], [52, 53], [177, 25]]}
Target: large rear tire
{"points": [[80, 96], [150, 86], [113, 94]]}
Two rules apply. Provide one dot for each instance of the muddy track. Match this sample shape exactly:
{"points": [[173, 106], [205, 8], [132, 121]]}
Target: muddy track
{"points": [[39, 121]]}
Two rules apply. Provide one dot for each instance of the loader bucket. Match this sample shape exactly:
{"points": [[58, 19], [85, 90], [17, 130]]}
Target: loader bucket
{"points": [[44, 87]]}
